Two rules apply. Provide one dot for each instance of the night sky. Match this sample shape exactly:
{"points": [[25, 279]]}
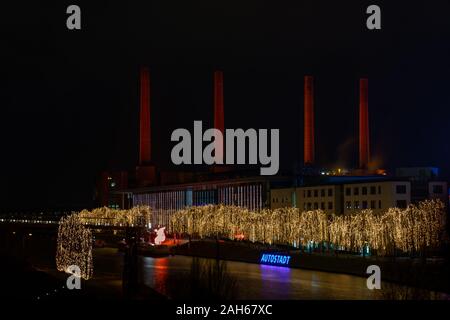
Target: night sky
{"points": [[70, 99]]}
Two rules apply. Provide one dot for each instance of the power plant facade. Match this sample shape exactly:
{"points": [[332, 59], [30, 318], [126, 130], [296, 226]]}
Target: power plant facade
{"points": [[164, 201]]}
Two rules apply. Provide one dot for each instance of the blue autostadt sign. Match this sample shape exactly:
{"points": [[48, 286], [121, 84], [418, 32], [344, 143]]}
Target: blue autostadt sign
{"points": [[275, 259]]}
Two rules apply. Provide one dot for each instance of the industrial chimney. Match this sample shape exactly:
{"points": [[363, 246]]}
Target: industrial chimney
{"points": [[308, 120], [219, 118], [145, 171], [364, 152], [144, 119]]}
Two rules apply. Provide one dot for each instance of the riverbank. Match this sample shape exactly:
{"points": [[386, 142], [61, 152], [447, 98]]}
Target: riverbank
{"points": [[22, 281], [430, 274], [34, 277]]}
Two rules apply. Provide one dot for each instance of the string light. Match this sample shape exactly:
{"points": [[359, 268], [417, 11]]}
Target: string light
{"points": [[74, 245], [410, 230]]}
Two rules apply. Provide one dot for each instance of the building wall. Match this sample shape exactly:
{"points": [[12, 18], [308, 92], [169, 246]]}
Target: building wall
{"points": [[378, 196], [335, 198], [250, 196], [281, 198], [325, 197], [164, 203], [344, 198], [438, 190]]}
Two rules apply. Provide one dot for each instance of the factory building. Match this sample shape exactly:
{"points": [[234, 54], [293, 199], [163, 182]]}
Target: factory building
{"points": [[344, 192], [251, 193]]}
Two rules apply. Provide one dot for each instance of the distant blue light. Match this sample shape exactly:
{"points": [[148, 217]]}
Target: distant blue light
{"points": [[275, 259]]}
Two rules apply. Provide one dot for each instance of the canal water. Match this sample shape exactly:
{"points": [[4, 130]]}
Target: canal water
{"points": [[256, 281]]}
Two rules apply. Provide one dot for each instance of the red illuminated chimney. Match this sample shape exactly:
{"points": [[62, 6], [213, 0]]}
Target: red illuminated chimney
{"points": [[364, 152], [219, 118], [309, 120], [145, 153], [219, 121]]}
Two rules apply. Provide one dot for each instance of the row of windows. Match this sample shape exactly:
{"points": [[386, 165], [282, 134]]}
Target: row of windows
{"points": [[283, 200], [310, 193], [315, 206], [373, 190], [399, 189], [364, 190]]}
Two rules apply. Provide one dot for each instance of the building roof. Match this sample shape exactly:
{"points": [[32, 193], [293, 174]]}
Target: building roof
{"points": [[208, 184]]}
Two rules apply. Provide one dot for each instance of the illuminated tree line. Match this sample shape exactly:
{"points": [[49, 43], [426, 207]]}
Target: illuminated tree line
{"points": [[410, 230], [414, 229]]}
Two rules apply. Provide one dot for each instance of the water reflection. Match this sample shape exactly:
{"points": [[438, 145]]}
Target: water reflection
{"points": [[262, 281], [161, 273], [276, 282]]}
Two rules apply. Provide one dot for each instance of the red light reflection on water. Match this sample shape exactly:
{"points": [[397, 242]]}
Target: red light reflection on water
{"points": [[161, 273]]}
